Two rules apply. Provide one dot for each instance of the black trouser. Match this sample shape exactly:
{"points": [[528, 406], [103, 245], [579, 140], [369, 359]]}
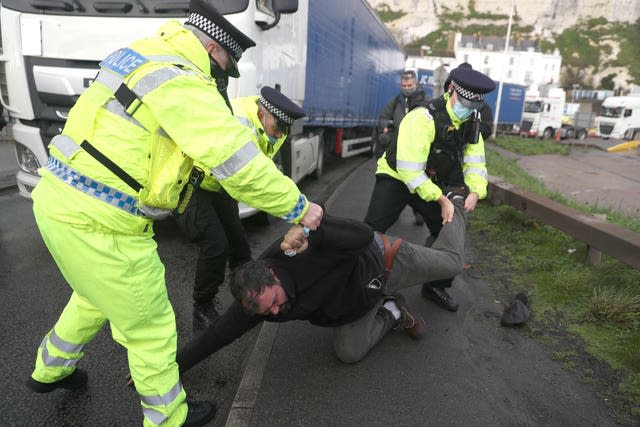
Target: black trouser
{"points": [[389, 198], [211, 219]]}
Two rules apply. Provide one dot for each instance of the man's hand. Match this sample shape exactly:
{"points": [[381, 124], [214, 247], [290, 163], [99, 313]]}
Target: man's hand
{"points": [[385, 130], [313, 216], [470, 202], [446, 209], [295, 241]]}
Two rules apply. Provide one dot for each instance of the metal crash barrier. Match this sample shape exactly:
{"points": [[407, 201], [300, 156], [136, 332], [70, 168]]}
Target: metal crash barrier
{"points": [[599, 235]]}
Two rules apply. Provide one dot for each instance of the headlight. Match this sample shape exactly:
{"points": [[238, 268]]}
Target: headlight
{"points": [[27, 161]]}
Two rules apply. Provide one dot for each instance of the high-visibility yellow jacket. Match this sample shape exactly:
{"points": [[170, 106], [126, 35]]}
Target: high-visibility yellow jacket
{"points": [[245, 109], [179, 117], [415, 136]]}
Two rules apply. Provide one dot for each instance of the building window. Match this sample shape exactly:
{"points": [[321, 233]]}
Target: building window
{"points": [[486, 59], [509, 74], [511, 60], [527, 77], [466, 58]]}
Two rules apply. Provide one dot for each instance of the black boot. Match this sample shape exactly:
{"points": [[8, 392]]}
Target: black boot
{"points": [[77, 379], [205, 314], [440, 296], [199, 413]]}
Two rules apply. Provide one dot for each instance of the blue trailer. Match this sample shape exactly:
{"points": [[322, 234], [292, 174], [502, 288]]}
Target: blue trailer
{"points": [[353, 66], [511, 105]]}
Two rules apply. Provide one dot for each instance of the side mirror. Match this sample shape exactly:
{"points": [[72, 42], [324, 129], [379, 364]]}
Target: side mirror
{"points": [[285, 6]]}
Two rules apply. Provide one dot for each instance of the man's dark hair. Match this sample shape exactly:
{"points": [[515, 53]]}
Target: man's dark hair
{"points": [[409, 74], [249, 281]]}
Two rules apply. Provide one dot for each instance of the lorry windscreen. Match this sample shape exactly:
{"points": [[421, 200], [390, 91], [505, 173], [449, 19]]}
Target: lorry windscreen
{"points": [[611, 112], [532, 106], [118, 8]]}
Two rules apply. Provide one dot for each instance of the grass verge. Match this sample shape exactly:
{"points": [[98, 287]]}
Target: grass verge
{"points": [[588, 316]]}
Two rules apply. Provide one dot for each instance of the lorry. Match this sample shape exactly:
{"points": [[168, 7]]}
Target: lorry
{"points": [[619, 118], [334, 58], [511, 106], [543, 112]]}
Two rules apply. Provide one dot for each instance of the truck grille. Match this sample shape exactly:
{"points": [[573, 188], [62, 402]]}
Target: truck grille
{"points": [[606, 129], [526, 126]]}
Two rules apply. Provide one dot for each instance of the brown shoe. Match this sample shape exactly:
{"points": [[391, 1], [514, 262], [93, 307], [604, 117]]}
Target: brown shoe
{"points": [[410, 322]]}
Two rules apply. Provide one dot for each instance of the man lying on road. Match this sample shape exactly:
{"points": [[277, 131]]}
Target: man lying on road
{"points": [[344, 276]]}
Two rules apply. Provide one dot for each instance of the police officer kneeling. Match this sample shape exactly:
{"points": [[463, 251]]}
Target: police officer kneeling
{"points": [[439, 152]]}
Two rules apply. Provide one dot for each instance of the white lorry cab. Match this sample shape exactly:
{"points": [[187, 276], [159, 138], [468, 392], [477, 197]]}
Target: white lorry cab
{"points": [[620, 118], [335, 58], [543, 111]]}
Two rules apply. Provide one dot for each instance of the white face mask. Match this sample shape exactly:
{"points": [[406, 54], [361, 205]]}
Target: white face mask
{"points": [[461, 111]]}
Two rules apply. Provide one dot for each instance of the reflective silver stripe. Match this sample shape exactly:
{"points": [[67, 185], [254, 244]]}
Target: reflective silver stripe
{"points": [[165, 399], [153, 415], [156, 78], [246, 122], [474, 159], [65, 145], [116, 108], [172, 60], [109, 79], [62, 345], [146, 84], [411, 166], [236, 162], [52, 361], [477, 171], [417, 181]]}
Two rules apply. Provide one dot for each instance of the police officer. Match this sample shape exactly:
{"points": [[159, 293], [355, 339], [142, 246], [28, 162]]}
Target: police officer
{"points": [[485, 113], [122, 160], [439, 152], [211, 217]]}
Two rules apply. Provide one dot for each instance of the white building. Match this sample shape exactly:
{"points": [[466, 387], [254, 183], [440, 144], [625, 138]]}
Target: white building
{"points": [[523, 63]]}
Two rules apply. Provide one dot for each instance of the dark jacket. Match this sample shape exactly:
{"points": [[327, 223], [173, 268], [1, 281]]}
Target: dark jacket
{"points": [[326, 285], [398, 107]]}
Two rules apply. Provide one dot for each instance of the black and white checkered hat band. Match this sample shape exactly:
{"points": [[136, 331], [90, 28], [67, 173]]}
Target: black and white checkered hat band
{"points": [[216, 33], [277, 113], [467, 94]]}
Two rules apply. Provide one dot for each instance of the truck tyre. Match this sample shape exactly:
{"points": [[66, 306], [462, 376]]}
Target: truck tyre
{"points": [[581, 134], [548, 133], [317, 173]]}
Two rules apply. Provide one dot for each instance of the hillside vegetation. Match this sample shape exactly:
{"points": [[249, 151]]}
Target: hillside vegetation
{"points": [[593, 51]]}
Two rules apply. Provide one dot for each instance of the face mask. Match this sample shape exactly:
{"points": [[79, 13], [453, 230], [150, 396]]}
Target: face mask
{"points": [[272, 139], [461, 111], [222, 80], [408, 92]]}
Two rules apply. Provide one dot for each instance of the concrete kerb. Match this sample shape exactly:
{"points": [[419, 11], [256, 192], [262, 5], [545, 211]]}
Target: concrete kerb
{"points": [[249, 387]]}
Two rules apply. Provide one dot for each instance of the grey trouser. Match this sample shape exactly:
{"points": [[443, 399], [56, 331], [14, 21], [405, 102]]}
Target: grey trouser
{"points": [[413, 265]]}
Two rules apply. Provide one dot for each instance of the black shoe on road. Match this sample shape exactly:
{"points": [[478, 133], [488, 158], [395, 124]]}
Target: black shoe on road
{"points": [[200, 413], [205, 315], [77, 379], [440, 297]]}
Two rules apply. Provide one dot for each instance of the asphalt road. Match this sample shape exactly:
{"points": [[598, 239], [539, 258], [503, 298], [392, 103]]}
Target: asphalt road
{"points": [[33, 293]]}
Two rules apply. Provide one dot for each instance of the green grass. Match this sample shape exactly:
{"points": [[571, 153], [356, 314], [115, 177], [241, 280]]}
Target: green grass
{"points": [[529, 146], [577, 307], [387, 15]]}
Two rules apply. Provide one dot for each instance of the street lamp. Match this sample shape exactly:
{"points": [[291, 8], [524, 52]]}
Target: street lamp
{"points": [[506, 50]]}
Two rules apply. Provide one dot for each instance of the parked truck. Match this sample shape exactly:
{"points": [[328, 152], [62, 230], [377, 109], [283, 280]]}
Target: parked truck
{"points": [[511, 106], [335, 58], [620, 118], [543, 111]]}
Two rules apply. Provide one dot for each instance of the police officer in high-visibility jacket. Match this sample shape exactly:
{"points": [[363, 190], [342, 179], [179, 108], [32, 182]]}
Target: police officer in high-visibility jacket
{"points": [[439, 151], [211, 217], [122, 160]]}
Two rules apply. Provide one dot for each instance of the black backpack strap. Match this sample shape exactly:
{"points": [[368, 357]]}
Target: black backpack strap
{"points": [[115, 169]]}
